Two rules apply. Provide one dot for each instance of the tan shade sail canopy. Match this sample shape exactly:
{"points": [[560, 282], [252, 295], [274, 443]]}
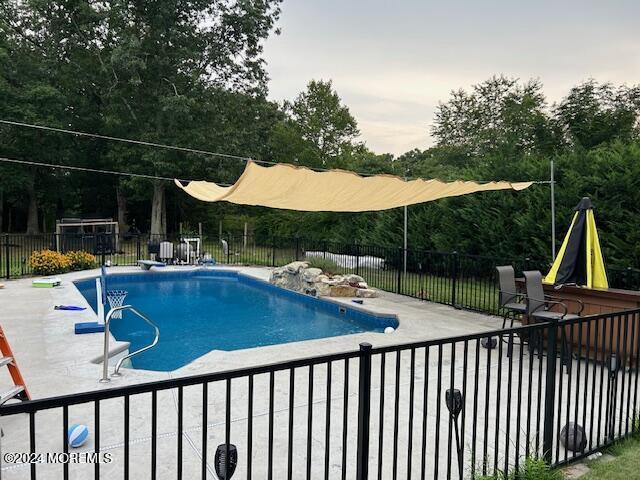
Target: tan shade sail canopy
{"points": [[291, 187]]}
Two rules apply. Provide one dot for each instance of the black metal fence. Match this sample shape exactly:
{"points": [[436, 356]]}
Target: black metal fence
{"points": [[379, 413], [461, 280]]}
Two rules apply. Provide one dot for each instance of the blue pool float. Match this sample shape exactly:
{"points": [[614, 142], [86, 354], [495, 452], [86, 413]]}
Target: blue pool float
{"points": [[72, 308]]}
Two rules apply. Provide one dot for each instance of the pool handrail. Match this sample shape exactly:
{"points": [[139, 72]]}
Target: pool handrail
{"points": [[105, 359]]}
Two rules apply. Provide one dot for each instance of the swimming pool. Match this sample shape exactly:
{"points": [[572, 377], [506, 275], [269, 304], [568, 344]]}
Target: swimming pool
{"points": [[202, 310]]}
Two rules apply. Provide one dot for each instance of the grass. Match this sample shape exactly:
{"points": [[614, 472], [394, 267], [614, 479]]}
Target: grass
{"points": [[625, 466], [531, 469]]}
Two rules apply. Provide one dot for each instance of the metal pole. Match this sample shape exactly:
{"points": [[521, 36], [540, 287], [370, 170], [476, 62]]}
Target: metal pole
{"points": [[553, 213], [6, 257], [105, 357], [103, 242], [405, 241], [550, 390], [454, 277], [364, 412], [399, 280]]}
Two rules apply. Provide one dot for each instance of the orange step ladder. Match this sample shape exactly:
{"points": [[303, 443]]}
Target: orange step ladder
{"points": [[19, 390]]}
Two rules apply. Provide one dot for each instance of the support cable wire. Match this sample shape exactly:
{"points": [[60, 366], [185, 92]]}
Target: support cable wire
{"points": [[171, 147], [92, 170], [127, 140]]}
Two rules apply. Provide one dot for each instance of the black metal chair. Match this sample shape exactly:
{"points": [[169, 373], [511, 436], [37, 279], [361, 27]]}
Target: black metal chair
{"points": [[510, 301], [539, 310], [539, 304]]}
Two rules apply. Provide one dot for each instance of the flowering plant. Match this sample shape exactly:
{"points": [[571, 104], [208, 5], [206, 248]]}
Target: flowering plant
{"points": [[48, 262], [80, 260]]}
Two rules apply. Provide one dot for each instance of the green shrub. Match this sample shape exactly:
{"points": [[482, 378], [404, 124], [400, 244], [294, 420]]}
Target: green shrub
{"points": [[48, 262], [81, 260], [324, 264]]}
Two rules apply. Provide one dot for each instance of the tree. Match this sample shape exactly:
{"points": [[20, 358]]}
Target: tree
{"points": [[594, 113], [499, 114], [187, 50], [140, 69], [28, 95], [320, 130]]}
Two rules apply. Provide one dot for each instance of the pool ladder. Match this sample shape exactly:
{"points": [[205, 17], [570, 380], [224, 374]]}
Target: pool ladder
{"points": [[105, 359]]}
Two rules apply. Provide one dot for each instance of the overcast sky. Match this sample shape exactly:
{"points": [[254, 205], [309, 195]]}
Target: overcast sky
{"points": [[392, 61]]}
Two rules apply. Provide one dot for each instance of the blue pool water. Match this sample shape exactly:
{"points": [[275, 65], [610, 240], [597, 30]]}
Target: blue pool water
{"points": [[203, 310]]}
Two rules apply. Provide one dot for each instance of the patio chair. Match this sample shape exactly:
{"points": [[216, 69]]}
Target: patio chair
{"points": [[539, 304], [539, 310], [510, 301]]}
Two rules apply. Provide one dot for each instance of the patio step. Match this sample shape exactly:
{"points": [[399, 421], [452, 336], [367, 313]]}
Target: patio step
{"points": [[11, 393]]}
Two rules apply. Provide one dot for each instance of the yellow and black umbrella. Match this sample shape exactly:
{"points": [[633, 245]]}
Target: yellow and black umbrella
{"points": [[580, 260]]}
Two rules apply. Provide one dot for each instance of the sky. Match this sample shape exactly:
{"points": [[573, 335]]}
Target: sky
{"points": [[391, 62]]}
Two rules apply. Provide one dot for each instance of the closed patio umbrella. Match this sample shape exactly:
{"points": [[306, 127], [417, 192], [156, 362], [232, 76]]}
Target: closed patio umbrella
{"points": [[580, 260]]}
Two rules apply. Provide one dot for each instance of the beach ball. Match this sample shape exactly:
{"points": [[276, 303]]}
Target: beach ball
{"points": [[77, 435]]}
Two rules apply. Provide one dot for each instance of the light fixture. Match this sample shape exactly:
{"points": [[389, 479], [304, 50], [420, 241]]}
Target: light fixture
{"points": [[613, 365], [226, 466], [573, 437], [489, 342], [455, 402]]}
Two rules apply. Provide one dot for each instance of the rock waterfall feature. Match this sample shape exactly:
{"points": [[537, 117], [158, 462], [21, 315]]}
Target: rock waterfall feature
{"points": [[299, 276]]}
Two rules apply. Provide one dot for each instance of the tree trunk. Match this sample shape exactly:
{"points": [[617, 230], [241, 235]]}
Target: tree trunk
{"points": [[1, 209], [158, 214], [121, 201], [33, 227]]}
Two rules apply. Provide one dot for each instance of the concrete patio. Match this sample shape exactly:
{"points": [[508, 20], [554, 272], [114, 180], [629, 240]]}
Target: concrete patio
{"points": [[55, 362]]}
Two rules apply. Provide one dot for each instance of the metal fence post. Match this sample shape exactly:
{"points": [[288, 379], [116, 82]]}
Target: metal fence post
{"points": [[364, 412], [399, 267], [454, 277], [6, 257], [103, 245], [550, 390], [297, 248], [357, 259], [138, 248], [273, 252]]}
